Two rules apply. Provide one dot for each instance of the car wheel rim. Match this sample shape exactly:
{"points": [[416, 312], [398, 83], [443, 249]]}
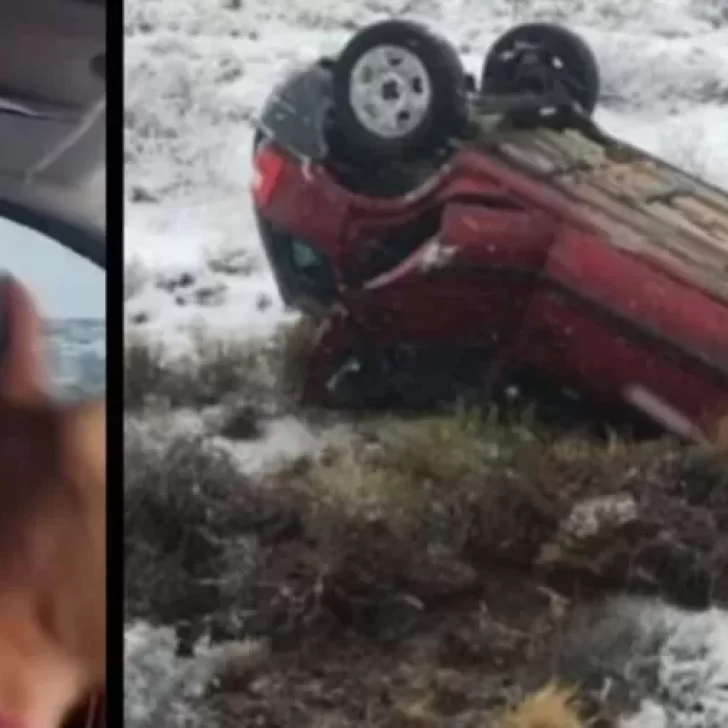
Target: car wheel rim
{"points": [[390, 91]]}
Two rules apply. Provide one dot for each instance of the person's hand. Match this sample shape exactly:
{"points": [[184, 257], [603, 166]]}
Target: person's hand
{"points": [[52, 533]]}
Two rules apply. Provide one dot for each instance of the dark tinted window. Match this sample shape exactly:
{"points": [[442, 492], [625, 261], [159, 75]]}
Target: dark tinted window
{"points": [[300, 268], [311, 269], [294, 115]]}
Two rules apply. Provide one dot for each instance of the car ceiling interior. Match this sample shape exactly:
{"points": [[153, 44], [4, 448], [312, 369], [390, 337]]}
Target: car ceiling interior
{"points": [[52, 88], [50, 52]]}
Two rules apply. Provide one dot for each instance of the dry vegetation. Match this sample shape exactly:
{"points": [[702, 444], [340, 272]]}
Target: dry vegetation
{"points": [[423, 577], [420, 577], [260, 374]]}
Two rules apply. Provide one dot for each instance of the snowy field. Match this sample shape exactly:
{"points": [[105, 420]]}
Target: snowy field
{"points": [[197, 71]]}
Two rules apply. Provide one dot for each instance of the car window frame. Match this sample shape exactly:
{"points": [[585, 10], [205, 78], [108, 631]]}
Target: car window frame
{"points": [[87, 241]]}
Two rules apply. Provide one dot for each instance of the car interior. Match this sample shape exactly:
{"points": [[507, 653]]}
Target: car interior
{"points": [[53, 105], [53, 138]]}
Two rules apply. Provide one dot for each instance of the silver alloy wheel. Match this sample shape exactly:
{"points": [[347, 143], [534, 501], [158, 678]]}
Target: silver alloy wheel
{"points": [[390, 91]]}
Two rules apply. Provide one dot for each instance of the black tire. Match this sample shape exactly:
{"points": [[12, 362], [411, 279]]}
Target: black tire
{"points": [[444, 116], [563, 58]]}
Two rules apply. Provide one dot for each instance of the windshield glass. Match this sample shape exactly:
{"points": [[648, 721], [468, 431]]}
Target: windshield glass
{"points": [[71, 294], [294, 114]]}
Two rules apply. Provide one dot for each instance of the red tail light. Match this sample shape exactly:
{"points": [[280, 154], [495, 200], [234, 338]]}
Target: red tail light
{"points": [[267, 168]]}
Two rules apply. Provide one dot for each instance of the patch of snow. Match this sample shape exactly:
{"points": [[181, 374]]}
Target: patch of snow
{"points": [[692, 669], [158, 685], [163, 689], [650, 715], [436, 255], [284, 439], [591, 516]]}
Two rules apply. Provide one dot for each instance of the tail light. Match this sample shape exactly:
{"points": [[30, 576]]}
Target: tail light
{"points": [[267, 167]]}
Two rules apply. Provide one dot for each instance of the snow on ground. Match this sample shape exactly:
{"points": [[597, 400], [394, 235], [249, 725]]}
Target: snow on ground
{"points": [[684, 654], [675, 660], [197, 71], [693, 671], [283, 438]]}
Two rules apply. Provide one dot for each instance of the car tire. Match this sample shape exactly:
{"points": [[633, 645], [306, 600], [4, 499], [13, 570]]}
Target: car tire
{"points": [[564, 56], [399, 92]]}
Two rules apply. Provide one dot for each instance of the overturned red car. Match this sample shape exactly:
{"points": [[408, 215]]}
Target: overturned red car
{"points": [[483, 235]]}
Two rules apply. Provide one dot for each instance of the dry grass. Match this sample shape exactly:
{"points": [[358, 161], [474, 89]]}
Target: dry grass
{"points": [[213, 371], [403, 581], [418, 577], [550, 707], [146, 371], [230, 261]]}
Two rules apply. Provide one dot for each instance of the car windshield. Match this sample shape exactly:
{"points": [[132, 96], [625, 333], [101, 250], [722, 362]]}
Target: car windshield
{"points": [[71, 294]]}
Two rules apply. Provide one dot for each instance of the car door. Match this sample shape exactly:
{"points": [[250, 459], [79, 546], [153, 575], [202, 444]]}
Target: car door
{"points": [[614, 326], [466, 282]]}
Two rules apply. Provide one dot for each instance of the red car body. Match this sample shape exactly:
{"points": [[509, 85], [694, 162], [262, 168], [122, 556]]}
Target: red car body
{"points": [[542, 271]]}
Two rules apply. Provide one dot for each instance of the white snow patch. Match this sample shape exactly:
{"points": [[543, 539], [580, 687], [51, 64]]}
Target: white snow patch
{"points": [[692, 672], [162, 689], [591, 516], [284, 439]]}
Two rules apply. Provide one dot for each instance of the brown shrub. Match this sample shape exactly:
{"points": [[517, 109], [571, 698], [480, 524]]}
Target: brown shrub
{"points": [[421, 574], [366, 532], [214, 370], [146, 371]]}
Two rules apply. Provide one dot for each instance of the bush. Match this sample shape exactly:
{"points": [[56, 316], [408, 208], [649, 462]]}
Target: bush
{"points": [[146, 371], [215, 371], [349, 538], [421, 572]]}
